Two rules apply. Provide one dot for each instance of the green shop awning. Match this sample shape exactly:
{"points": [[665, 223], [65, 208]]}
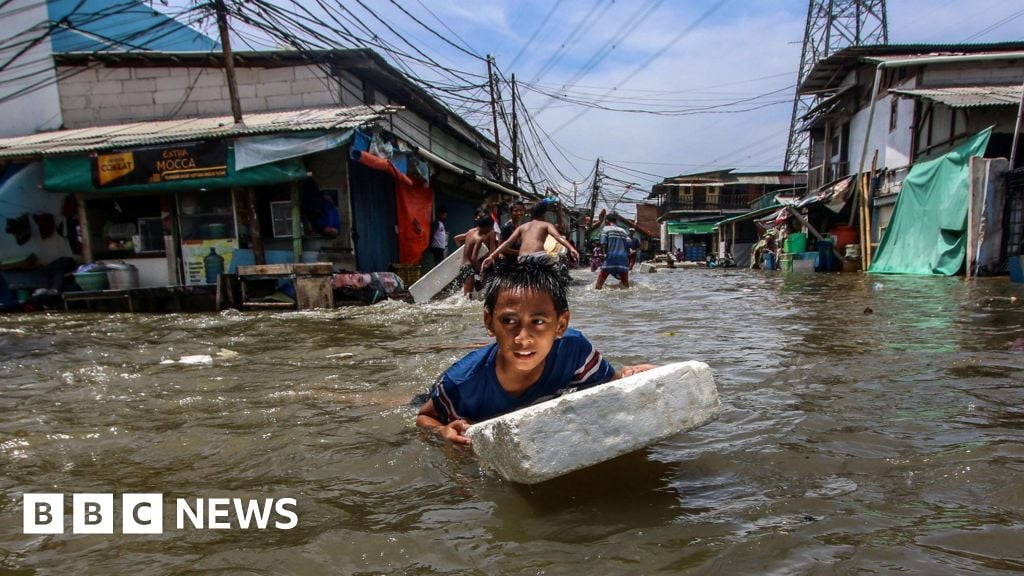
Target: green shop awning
{"points": [[685, 228], [76, 174]]}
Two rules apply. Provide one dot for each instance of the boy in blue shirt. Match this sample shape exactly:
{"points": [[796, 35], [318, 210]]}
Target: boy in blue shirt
{"points": [[536, 356]]}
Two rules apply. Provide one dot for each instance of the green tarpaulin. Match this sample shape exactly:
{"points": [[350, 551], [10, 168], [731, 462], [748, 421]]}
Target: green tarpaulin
{"points": [[691, 227], [74, 174], [927, 234]]}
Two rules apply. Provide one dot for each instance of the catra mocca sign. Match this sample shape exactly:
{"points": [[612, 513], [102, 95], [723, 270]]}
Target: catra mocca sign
{"points": [[160, 164]]}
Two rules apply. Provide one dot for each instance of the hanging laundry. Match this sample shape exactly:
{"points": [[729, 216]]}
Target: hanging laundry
{"points": [[46, 224], [20, 228]]}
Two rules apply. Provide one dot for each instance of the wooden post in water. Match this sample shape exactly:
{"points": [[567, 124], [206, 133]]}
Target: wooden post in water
{"points": [[866, 240], [970, 215], [254, 228]]}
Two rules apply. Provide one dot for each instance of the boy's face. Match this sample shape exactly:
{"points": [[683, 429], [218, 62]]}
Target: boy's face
{"points": [[525, 325]]}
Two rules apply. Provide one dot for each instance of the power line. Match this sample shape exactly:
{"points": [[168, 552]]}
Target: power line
{"points": [[682, 34]]}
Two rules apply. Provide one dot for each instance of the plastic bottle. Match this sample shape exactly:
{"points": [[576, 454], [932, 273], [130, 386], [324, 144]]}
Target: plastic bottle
{"points": [[214, 265]]}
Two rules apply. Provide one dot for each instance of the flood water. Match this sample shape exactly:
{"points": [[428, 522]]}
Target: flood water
{"points": [[869, 425]]}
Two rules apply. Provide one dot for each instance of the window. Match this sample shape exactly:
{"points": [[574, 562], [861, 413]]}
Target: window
{"points": [[281, 213], [893, 113], [151, 235]]}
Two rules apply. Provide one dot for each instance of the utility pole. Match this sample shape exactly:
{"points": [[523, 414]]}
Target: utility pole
{"points": [[494, 112], [595, 189], [515, 136], [229, 59]]}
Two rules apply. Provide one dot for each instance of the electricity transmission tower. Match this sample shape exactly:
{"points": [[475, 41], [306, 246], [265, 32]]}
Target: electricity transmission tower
{"points": [[831, 26]]}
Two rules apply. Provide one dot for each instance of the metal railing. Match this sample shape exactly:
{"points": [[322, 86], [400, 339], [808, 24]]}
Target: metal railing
{"points": [[722, 201], [822, 174]]}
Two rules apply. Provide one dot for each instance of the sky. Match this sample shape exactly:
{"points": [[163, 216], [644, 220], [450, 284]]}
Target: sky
{"points": [[724, 71]]}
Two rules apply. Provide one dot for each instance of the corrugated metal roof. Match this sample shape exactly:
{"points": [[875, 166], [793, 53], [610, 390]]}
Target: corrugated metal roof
{"points": [[80, 140], [968, 96], [828, 72]]}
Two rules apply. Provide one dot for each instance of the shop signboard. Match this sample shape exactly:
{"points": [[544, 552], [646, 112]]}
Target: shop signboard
{"points": [[155, 164]]}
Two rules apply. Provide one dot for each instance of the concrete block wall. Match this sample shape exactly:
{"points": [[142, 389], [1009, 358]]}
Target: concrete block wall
{"points": [[100, 96]]}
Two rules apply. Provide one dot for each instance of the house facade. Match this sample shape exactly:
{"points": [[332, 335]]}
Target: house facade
{"points": [[150, 167], [884, 109], [691, 205]]}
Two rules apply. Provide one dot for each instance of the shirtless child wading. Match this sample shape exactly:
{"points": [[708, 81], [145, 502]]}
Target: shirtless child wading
{"points": [[469, 267], [531, 237]]}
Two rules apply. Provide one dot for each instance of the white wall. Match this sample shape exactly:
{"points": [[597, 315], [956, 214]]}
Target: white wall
{"points": [[893, 145], [39, 109], [898, 152]]}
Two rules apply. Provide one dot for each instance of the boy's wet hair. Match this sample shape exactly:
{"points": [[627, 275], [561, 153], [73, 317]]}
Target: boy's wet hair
{"points": [[528, 276], [484, 222], [539, 209]]}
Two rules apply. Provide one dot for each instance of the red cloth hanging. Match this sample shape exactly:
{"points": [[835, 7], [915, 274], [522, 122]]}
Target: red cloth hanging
{"points": [[413, 202]]}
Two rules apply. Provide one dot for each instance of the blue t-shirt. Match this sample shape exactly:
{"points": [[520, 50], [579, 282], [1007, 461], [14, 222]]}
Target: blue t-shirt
{"points": [[616, 259], [470, 388]]}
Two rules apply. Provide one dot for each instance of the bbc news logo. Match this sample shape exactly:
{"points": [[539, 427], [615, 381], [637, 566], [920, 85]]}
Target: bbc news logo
{"points": [[144, 513]]}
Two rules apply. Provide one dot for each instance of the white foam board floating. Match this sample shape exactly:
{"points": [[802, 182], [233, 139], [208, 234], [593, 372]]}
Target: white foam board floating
{"points": [[440, 276], [597, 424]]}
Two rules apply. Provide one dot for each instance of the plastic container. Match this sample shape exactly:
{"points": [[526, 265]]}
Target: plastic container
{"points": [[213, 264], [803, 265], [408, 273], [825, 256], [122, 276], [769, 260], [844, 235], [786, 262], [90, 281], [795, 242]]}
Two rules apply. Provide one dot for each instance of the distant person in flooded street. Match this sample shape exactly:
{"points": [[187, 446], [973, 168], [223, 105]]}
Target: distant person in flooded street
{"points": [[633, 243], [535, 355], [616, 250], [469, 267], [518, 211], [531, 237], [596, 258], [439, 236]]}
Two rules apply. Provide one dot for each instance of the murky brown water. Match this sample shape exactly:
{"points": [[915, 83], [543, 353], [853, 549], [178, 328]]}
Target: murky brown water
{"points": [[848, 442]]}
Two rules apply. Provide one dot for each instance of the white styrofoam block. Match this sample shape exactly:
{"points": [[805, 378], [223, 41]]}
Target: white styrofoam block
{"points": [[583, 428]]}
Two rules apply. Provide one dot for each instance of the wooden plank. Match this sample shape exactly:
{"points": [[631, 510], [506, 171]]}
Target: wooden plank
{"points": [[314, 292], [314, 268], [265, 270]]}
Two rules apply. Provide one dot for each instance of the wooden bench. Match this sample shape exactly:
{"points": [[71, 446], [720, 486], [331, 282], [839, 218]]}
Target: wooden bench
{"points": [[93, 295]]}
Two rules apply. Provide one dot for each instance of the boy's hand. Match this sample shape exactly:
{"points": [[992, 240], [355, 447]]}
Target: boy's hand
{"points": [[487, 263], [455, 432], [628, 371]]}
